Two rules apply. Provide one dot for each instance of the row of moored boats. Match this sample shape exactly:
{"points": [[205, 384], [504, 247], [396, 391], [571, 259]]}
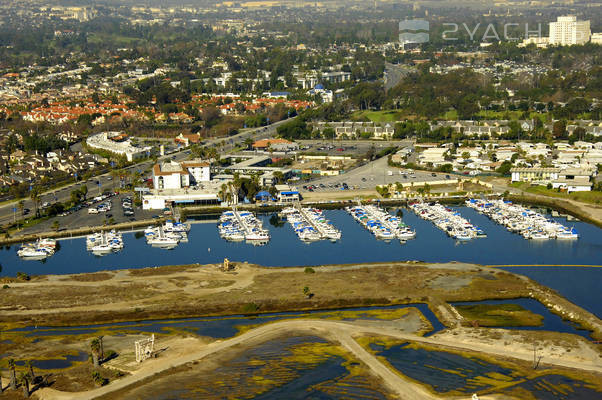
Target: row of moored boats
{"points": [[522, 220], [38, 250], [380, 223], [167, 236], [448, 220], [236, 226], [103, 243], [310, 225]]}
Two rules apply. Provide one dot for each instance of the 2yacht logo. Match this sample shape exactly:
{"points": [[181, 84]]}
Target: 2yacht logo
{"points": [[414, 31]]}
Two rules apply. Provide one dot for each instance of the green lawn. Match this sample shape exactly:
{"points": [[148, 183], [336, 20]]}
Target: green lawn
{"points": [[451, 115], [378, 116], [499, 315], [593, 197]]}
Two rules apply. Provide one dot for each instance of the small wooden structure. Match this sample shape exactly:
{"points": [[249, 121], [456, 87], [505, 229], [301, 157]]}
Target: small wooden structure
{"points": [[145, 348]]}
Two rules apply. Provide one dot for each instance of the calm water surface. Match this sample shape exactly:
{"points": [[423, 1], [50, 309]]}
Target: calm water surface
{"points": [[356, 245]]}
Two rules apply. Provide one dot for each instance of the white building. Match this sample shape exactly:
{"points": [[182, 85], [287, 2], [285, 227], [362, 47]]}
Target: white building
{"points": [[434, 156], [287, 194], [117, 143], [596, 38], [174, 175], [188, 182], [568, 31]]}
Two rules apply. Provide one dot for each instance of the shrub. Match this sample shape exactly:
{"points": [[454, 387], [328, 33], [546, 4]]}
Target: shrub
{"points": [[23, 276], [250, 308], [309, 270]]}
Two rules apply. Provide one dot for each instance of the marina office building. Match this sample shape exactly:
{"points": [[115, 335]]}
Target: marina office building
{"points": [[569, 179], [188, 182]]}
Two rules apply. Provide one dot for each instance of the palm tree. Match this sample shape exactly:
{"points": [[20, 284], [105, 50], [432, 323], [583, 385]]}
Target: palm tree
{"points": [[13, 374], [115, 174], [278, 176], [35, 197], [95, 348], [24, 381], [84, 191], [21, 206], [29, 366], [222, 192]]}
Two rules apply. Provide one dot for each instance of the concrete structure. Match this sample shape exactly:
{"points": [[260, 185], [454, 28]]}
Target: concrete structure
{"points": [[174, 175], [567, 31], [434, 156], [573, 180], [596, 38], [117, 143]]}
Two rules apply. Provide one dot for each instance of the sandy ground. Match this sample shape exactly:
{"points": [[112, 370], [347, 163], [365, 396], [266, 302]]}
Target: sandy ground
{"points": [[187, 350]]}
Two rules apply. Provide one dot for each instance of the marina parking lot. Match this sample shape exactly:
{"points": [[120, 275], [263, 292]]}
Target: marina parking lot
{"points": [[81, 217], [368, 176]]}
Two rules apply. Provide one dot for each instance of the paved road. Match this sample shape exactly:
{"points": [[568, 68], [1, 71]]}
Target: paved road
{"points": [[7, 214]]}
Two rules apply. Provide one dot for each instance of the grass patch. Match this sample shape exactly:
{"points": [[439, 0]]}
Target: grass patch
{"points": [[500, 315], [93, 277], [163, 270], [593, 197], [377, 116]]}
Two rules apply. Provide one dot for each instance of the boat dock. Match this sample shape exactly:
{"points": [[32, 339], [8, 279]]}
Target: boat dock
{"points": [[524, 221], [310, 224], [449, 221], [380, 223], [238, 226]]}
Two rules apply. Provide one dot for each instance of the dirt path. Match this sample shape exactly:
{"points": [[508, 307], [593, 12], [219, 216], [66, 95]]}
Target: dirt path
{"points": [[341, 332]]}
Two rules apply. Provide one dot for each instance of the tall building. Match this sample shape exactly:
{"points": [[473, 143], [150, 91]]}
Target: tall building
{"points": [[568, 31]]}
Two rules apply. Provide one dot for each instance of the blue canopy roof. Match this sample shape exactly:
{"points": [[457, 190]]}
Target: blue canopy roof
{"points": [[263, 194]]}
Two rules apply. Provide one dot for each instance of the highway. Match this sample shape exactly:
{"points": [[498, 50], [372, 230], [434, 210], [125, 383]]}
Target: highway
{"points": [[7, 213]]}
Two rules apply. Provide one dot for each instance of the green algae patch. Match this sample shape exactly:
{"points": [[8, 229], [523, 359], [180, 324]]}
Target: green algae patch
{"points": [[519, 378], [499, 315]]}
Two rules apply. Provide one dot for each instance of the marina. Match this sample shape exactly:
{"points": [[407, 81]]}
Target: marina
{"points": [[522, 220], [380, 223], [236, 226], [449, 221], [357, 245], [310, 225]]}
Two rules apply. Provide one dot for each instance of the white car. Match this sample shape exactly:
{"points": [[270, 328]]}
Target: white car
{"points": [[93, 210]]}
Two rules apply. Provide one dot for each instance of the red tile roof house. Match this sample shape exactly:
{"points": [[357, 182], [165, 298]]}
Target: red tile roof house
{"points": [[186, 139]]}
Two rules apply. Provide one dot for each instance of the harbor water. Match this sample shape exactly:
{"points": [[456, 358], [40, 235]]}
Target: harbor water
{"points": [[357, 245]]}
